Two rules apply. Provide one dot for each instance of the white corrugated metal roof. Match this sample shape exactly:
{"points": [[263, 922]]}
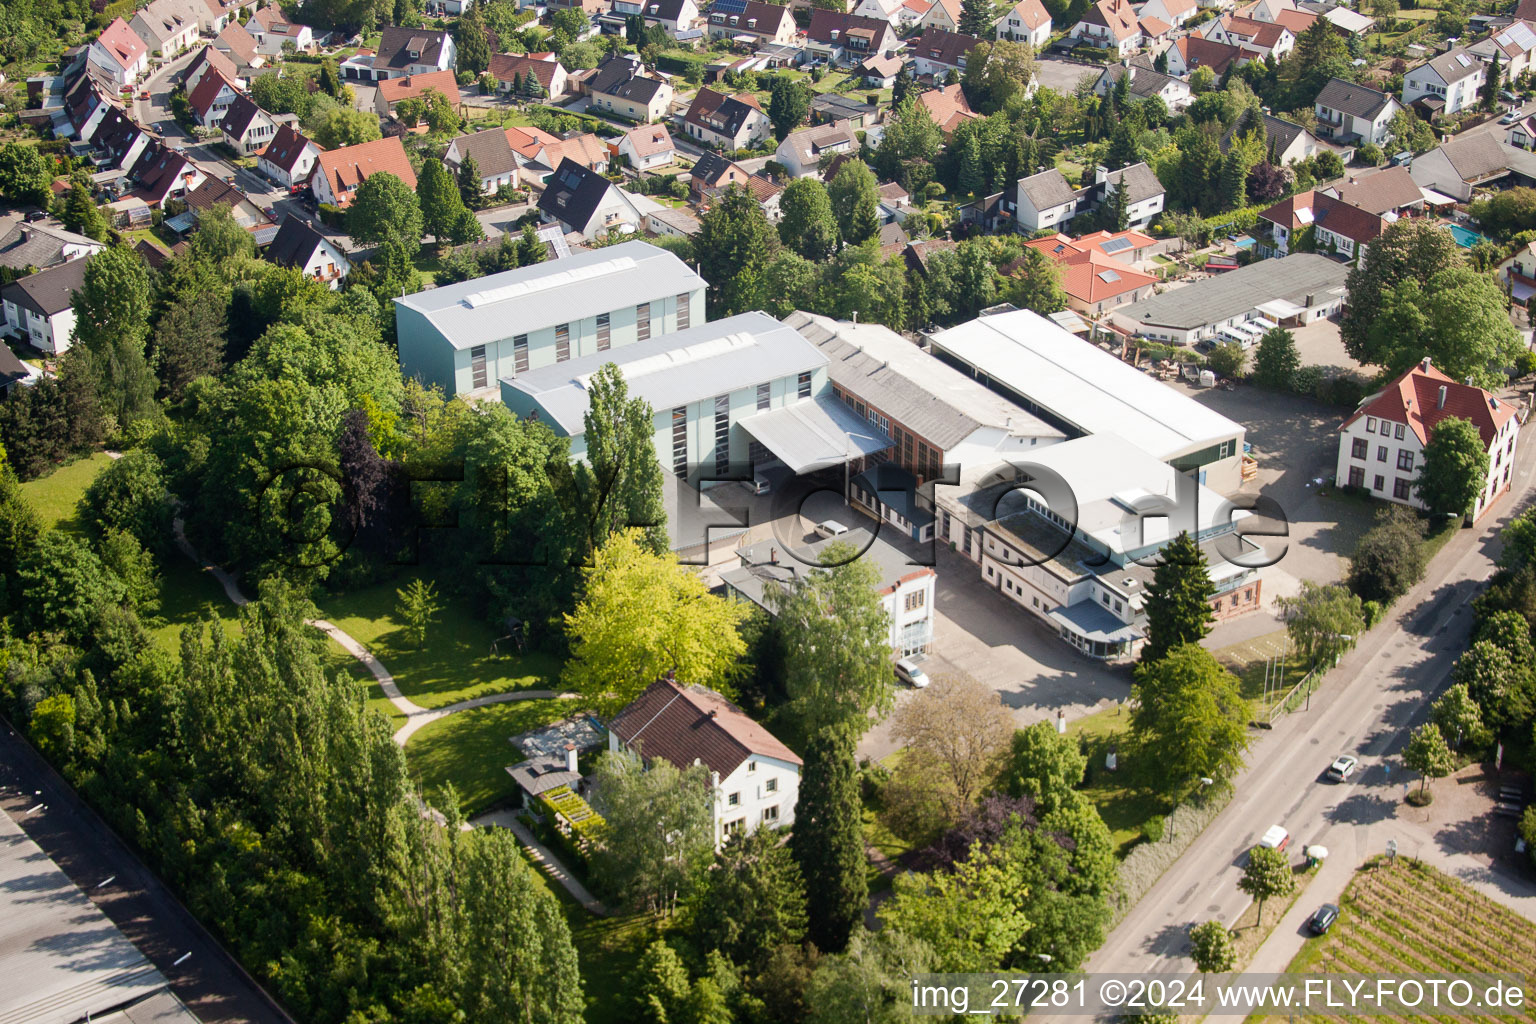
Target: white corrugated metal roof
{"points": [[1082, 384], [808, 436], [528, 299]]}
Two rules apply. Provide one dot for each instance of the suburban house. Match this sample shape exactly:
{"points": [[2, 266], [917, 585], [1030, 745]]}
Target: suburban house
{"points": [[848, 38], [457, 337], [491, 150], [1518, 274], [1109, 25], [340, 171], [1193, 51], [1258, 40], [1347, 112], [1146, 83], [212, 96], [1522, 134], [299, 246], [539, 153], [906, 591], [1337, 226], [120, 53], [622, 86], [392, 91], [830, 106], [40, 306], [756, 22], [214, 193], [1300, 289], [246, 127], [234, 41], [40, 244], [120, 139], [726, 122], [1384, 191], [754, 779], [1095, 279], [672, 221], [937, 52], [1144, 193], [411, 51], [586, 203], [274, 33], [1513, 45], [166, 26], [210, 58], [1381, 446], [1286, 142], [1472, 160], [1027, 22], [881, 72], [943, 15], [889, 11], [289, 158], [516, 70], [163, 173], [948, 107], [1447, 84], [1045, 200], [647, 146], [676, 16], [803, 151], [1173, 12], [1156, 34], [713, 174]]}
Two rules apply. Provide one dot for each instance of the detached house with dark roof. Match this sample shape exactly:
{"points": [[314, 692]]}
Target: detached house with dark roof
{"points": [[40, 307], [491, 151], [802, 151], [299, 246], [758, 23], [1146, 82], [621, 85], [726, 122], [246, 127], [1381, 446], [1337, 226], [1287, 142], [1144, 192], [1447, 84], [587, 203], [848, 38], [290, 157], [208, 59], [937, 52], [41, 244], [410, 51], [1347, 112], [754, 779], [1045, 200]]}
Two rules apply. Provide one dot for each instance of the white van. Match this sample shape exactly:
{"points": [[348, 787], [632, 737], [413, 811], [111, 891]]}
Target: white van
{"points": [[831, 529]]}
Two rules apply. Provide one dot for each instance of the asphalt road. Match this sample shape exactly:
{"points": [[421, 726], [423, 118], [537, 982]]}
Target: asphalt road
{"points": [[1366, 707], [209, 980]]}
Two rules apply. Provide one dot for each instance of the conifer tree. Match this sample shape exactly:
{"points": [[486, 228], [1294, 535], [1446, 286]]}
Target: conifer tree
{"points": [[1178, 602], [828, 840]]}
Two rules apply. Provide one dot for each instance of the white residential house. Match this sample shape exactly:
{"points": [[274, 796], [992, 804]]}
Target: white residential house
{"points": [[273, 33], [40, 306], [1026, 22], [754, 779], [289, 158], [1045, 200], [166, 27], [1513, 46], [1447, 84], [585, 202], [622, 85], [211, 98], [246, 127], [1144, 192], [1518, 274], [1174, 12], [1347, 112], [120, 53], [943, 15], [299, 246], [1381, 446], [648, 146], [726, 122], [1110, 25], [803, 151], [491, 150]]}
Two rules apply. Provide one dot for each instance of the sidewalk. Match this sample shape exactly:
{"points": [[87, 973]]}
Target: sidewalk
{"points": [[543, 858]]}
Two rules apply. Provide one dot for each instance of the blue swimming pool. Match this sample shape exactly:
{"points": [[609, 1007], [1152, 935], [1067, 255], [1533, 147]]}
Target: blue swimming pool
{"points": [[1465, 237]]}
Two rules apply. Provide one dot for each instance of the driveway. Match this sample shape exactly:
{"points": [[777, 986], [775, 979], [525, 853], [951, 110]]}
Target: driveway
{"points": [[1319, 344], [1063, 75]]}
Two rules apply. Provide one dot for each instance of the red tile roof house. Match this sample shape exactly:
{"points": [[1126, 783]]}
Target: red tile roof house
{"points": [[726, 122], [120, 53], [1381, 446], [392, 90], [754, 778], [211, 98], [340, 171], [1094, 280], [289, 158], [543, 68], [1338, 226]]}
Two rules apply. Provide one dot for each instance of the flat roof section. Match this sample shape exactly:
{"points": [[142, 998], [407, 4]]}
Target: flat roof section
{"points": [[675, 369], [62, 958], [1078, 383], [529, 299], [1293, 278]]}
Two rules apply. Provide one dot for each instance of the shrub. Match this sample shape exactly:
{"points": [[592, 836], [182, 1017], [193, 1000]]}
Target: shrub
{"points": [[1525, 363], [1152, 829], [1420, 798]]}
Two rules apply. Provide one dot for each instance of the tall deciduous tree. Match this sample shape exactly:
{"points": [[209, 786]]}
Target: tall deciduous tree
{"points": [[788, 103], [751, 900], [1406, 250], [1190, 720], [1501, 686], [828, 840], [1388, 558], [956, 731], [855, 197], [189, 343], [734, 244], [1460, 719], [619, 481], [971, 916], [837, 644], [870, 982], [1178, 602], [807, 225], [1276, 361], [1427, 754], [1267, 875], [1455, 467], [659, 832], [112, 311], [386, 210], [1210, 946], [1045, 765], [641, 616], [26, 175], [1323, 620]]}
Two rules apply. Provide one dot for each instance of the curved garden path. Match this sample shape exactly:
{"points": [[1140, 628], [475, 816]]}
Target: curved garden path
{"points": [[416, 716]]}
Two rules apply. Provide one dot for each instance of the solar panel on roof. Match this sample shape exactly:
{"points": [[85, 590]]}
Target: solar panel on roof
{"points": [[1108, 276], [1116, 244], [1462, 59]]}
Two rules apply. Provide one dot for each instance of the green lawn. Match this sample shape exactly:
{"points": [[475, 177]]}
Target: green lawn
{"points": [[188, 594], [470, 749], [1123, 806], [456, 664], [55, 496]]}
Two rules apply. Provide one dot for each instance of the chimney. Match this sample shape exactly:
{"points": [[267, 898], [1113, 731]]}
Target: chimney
{"points": [[1468, 382], [672, 673], [1425, 364], [773, 556], [855, 316], [570, 757], [1440, 402], [713, 712]]}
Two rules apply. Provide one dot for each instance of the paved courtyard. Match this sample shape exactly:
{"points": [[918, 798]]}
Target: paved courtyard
{"points": [[1063, 75], [1319, 344]]}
